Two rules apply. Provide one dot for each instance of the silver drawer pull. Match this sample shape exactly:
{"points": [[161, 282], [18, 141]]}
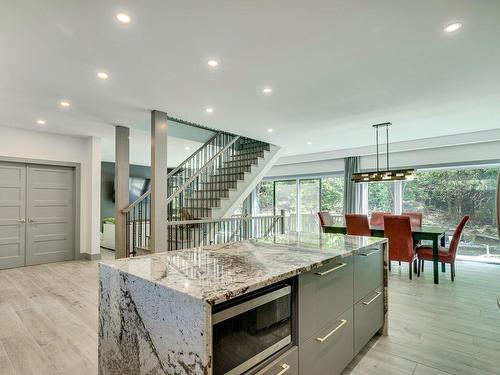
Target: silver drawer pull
{"points": [[342, 322], [373, 299], [285, 368], [370, 253], [341, 265]]}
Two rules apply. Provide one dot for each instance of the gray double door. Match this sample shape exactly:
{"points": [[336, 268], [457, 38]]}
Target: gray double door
{"points": [[37, 220]]}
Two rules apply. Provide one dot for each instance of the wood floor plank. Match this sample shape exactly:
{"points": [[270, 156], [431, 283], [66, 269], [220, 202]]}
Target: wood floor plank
{"points": [[26, 356], [6, 367]]}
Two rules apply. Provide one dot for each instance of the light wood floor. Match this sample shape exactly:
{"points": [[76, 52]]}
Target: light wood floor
{"points": [[48, 322]]}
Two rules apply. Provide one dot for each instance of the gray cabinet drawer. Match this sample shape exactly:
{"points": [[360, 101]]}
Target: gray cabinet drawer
{"points": [[287, 364], [323, 294], [332, 354], [368, 318], [368, 271]]}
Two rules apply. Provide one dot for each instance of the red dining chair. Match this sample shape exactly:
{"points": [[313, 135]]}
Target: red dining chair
{"points": [[415, 218], [445, 255], [397, 229], [325, 219], [357, 225], [377, 218]]}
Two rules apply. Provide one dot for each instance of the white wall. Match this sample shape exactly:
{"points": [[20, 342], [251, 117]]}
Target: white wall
{"points": [[40, 145], [418, 154]]}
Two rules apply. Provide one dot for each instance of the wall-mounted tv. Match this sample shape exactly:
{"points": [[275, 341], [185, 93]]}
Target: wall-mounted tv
{"points": [[136, 187]]}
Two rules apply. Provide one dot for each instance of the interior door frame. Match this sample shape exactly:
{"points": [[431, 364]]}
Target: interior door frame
{"points": [[77, 189]]}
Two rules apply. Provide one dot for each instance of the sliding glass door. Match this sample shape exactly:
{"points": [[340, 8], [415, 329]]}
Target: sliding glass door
{"points": [[286, 199], [309, 197], [301, 199], [445, 195]]}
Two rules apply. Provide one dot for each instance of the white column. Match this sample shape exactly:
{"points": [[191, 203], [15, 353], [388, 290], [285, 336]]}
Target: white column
{"points": [[122, 165], [159, 172]]}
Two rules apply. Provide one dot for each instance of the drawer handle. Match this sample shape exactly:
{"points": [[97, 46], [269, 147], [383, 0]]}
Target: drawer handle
{"points": [[373, 299], [341, 265], [285, 368], [342, 322], [370, 253]]}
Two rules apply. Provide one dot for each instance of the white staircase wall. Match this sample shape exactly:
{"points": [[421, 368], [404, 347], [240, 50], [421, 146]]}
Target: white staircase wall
{"points": [[245, 187]]}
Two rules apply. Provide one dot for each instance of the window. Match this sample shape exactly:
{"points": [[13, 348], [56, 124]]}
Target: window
{"points": [[332, 194], [286, 199], [381, 197], [265, 196], [309, 205], [444, 196]]}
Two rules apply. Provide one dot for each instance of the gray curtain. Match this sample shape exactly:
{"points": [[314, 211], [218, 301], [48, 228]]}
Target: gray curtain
{"points": [[352, 191]]}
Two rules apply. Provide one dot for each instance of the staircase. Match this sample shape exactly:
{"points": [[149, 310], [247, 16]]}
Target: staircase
{"points": [[210, 184]]}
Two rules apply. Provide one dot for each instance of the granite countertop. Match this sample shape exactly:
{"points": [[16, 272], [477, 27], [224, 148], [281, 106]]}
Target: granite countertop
{"points": [[218, 273]]}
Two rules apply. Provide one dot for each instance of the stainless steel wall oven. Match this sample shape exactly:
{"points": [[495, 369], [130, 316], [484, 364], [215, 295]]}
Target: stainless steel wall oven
{"points": [[248, 330]]}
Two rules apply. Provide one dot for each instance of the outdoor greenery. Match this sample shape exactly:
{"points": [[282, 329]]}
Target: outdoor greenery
{"points": [[380, 197], [265, 198], [332, 194]]}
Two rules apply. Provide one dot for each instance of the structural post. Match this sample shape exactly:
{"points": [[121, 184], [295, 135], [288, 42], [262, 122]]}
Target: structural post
{"points": [[159, 172], [122, 164]]}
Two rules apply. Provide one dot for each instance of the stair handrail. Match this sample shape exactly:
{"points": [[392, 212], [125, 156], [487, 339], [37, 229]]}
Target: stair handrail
{"points": [[171, 173], [176, 169], [202, 169]]}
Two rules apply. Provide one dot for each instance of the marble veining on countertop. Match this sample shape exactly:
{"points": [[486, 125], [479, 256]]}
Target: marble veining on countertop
{"points": [[218, 273]]}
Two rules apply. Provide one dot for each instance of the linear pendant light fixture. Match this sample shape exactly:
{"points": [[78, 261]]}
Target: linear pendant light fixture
{"points": [[387, 174]]}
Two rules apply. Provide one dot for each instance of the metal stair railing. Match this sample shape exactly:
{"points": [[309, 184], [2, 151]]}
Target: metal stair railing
{"points": [[200, 172]]}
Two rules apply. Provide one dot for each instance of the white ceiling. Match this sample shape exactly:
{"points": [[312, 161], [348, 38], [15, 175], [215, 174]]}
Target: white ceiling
{"points": [[336, 67]]}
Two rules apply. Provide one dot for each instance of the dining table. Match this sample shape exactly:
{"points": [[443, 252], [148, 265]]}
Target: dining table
{"points": [[419, 233]]}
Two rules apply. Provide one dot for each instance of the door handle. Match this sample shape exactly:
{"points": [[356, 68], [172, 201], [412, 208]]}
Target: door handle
{"points": [[339, 266], [378, 294], [30, 220], [342, 322], [22, 220], [285, 368]]}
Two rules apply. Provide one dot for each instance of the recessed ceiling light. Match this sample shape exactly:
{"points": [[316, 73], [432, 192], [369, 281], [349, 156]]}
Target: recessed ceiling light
{"points": [[267, 90], [453, 27], [270, 130], [64, 103], [187, 148], [40, 122], [102, 75], [309, 143], [209, 110], [123, 17], [213, 63]]}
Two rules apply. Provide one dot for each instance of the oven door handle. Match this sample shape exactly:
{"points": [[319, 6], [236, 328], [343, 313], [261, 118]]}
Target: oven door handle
{"points": [[285, 368]]}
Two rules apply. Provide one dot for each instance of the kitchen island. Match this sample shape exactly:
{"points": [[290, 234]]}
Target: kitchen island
{"points": [[189, 311]]}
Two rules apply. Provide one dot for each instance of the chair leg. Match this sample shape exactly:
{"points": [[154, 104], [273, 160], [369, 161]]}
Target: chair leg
{"points": [[452, 266], [389, 265], [418, 267], [443, 267], [422, 265], [399, 264], [415, 266], [409, 267]]}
